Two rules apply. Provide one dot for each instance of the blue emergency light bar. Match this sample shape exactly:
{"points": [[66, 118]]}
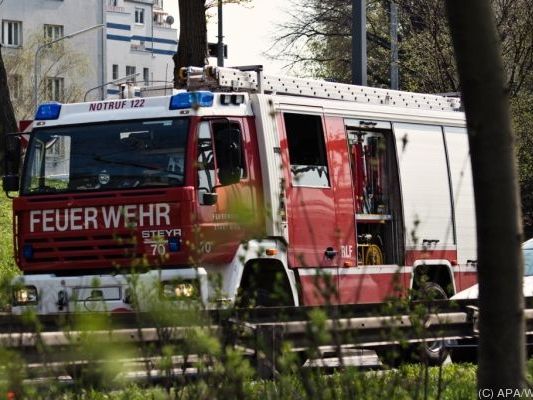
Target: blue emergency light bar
{"points": [[47, 111], [201, 98]]}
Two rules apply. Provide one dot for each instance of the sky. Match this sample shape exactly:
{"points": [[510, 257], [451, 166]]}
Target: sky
{"points": [[248, 31]]}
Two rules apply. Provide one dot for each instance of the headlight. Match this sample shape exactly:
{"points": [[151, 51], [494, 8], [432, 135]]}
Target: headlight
{"points": [[179, 290], [25, 295]]}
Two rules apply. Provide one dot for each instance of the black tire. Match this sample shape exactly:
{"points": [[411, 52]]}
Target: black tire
{"points": [[433, 352], [261, 297]]}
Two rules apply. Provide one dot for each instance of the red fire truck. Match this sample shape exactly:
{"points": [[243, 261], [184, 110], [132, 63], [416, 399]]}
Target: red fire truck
{"points": [[244, 187]]}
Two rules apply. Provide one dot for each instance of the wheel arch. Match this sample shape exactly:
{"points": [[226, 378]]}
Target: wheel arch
{"points": [[437, 271], [263, 272], [255, 252]]}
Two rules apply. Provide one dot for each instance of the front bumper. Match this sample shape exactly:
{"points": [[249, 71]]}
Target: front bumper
{"points": [[51, 294]]}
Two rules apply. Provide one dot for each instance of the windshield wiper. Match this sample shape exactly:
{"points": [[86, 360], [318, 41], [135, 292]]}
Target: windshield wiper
{"points": [[137, 165], [44, 189]]}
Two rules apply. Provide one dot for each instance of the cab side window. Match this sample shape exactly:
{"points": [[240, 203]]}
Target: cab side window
{"points": [[221, 128], [212, 156], [307, 150], [206, 159]]}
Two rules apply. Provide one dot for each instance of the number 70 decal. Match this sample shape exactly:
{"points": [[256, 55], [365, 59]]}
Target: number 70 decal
{"points": [[158, 249]]}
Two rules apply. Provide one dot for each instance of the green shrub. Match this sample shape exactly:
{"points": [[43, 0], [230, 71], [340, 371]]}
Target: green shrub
{"points": [[8, 267]]}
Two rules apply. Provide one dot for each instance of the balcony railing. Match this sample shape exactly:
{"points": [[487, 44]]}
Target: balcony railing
{"points": [[161, 25], [115, 9]]}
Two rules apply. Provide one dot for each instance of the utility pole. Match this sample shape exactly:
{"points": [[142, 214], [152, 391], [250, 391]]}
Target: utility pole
{"points": [[220, 52], [359, 60]]}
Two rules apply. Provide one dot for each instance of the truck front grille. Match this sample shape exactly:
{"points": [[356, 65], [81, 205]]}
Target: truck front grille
{"points": [[100, 250]]}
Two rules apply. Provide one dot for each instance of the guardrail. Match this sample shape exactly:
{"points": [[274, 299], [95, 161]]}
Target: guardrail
{"points": [[58, 345]]}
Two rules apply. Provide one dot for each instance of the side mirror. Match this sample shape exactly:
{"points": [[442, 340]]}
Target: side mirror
{"points": [[10, 183], [209, 199], [10, 180], [228, 144]]}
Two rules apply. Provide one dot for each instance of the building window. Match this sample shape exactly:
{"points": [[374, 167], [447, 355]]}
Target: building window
{"points": [[12, 33], [115, 71], [113, 6], [138, 47], [139, 15], [158, 3], [146, 76], [53, 32], [130, 71], [15, 86], [55, 89]]}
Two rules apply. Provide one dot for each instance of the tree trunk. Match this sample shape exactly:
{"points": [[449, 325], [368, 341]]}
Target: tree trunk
{"points": [[499, 231], [192, 43], [8, 123]]}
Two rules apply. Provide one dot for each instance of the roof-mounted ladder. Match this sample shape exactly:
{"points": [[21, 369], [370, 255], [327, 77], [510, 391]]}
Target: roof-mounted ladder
{"points": [[251, 79]]}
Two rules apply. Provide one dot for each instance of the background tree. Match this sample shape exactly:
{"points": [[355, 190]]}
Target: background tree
{"points": [[59, 60], [427, 51], [317, 39], [500, 267], [522, 114], [8, 122], [192, 42]]}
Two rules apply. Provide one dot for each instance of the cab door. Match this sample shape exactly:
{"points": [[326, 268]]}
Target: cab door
{"points": [[313, 240], [227, 213]]}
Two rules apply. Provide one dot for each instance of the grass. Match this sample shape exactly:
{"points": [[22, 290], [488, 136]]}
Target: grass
{"points": [[409, 382], [413, 381], [8, 267]]}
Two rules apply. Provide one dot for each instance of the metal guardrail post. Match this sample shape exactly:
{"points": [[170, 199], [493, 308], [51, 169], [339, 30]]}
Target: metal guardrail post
{"points": [[268, 339]]}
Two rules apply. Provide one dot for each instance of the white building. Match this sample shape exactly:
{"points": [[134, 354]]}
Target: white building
{"points": [[136, 38], [140, 40]]}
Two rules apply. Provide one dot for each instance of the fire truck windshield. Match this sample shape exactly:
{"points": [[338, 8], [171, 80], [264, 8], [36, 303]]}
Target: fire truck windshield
{"points": [[107, 156]]}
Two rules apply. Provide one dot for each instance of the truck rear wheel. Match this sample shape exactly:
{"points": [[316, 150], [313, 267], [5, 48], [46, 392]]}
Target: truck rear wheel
{"points": [[431, 352]]}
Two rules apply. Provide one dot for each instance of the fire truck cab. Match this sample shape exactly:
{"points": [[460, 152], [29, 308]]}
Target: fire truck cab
{"points": [[243, 188]]}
